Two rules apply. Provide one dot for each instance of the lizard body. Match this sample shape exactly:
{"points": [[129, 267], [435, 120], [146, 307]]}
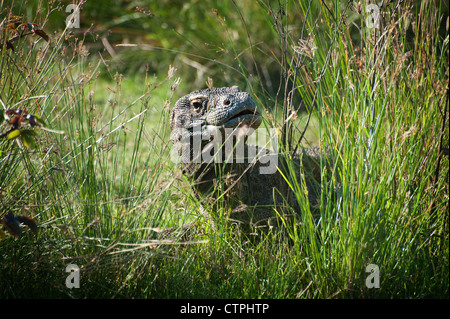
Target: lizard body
{"points": [[199, 125]]}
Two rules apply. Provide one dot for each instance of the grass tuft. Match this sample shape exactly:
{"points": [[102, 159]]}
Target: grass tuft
{"points": [[375, 98]]}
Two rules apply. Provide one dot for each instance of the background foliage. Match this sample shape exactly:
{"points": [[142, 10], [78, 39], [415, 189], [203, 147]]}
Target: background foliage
{"points": [[100, 192]]}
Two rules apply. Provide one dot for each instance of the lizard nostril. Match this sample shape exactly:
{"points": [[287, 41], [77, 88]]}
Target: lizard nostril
{"points": [[226, 102]]}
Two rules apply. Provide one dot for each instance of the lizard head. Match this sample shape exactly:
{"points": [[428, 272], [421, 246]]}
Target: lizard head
{"points": [[227, 107], [198, 116], [211, 109]]}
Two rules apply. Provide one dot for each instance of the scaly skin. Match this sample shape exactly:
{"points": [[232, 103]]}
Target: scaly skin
{"points": [[250, 196]]}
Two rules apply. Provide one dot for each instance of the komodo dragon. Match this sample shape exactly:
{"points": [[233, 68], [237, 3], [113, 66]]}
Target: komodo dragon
{"points": [[252, 197]]}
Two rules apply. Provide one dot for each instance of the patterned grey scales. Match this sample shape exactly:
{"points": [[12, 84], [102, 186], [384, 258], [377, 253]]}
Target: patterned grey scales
{"points": [[218, 121]]}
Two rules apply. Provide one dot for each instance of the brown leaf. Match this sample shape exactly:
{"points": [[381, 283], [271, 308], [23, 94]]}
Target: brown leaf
{"points": [[11, 224], [42, 34], [28, 221]]}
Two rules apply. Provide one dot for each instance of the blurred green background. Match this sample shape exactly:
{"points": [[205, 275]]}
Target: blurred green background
{"points": [[201, 39], [222, 40], [100, 190]]}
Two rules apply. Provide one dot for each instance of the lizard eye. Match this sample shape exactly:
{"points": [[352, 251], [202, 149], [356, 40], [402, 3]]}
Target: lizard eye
{"points": [[197, 104]]}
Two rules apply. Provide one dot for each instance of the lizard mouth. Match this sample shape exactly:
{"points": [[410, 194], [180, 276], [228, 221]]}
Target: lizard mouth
{"points": [[247, 117]]}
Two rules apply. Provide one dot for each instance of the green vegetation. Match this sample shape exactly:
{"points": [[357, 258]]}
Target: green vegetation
{"points": [[94, 170]]}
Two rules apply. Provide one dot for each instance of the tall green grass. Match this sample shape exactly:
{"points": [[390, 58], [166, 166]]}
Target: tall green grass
{"points": [[375, 104], [375, 98], [91, 189]]}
